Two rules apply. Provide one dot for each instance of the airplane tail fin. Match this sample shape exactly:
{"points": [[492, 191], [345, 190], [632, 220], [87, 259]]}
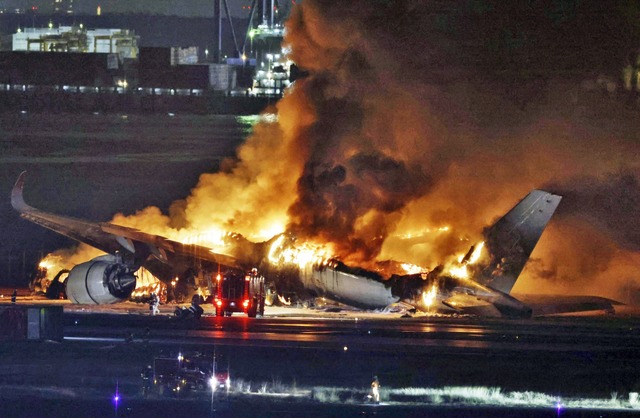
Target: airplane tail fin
{"points": [[511, 240]]}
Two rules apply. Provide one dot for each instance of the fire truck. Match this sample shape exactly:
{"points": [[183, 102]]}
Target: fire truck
{"points": [[236, 293]]}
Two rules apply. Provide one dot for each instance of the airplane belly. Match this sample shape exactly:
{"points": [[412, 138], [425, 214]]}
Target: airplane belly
{"points": [[349, 288]]}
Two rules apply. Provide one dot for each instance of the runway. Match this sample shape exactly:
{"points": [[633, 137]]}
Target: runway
{"points": [[372, 332], [320, 363]]}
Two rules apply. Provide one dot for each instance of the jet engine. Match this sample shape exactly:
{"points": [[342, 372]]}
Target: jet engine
{"points": [[103, 280]]}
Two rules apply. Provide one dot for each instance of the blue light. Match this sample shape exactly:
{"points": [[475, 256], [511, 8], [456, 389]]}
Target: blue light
{"points": [[116, 396]]}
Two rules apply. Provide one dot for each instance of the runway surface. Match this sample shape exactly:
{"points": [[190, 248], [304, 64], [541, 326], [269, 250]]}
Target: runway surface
{"points": [[321, 363]]}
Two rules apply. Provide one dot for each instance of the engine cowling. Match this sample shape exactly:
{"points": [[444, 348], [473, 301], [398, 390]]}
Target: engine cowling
{"points": [[102, 280]]}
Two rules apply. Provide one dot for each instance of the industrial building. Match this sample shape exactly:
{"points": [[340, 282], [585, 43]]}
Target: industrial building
{"points": [[85, 60], [46, 64], [77, 39]]}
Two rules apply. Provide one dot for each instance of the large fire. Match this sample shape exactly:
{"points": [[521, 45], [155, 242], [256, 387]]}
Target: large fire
{"points": [[383, 143], [459, 269], [304, 255], [429, 296]]}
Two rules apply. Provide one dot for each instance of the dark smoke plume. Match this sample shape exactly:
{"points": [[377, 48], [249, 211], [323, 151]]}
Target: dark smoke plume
{"points": [[414, 129], [611, 205]]}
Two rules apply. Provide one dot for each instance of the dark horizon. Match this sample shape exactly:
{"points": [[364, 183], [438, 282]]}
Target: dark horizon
{"points": [[192, 8]]}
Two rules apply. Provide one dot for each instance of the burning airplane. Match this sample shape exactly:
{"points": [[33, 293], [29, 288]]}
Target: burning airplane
{"points": [[375, 156], [477, 283]]}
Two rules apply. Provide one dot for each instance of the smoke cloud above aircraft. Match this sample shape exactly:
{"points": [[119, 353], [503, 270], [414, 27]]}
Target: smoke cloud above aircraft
{"points": [[391, 149]]}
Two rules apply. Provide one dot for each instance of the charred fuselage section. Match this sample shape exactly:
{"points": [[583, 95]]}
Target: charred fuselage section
{"points": [[429, 292], [485, 291]]}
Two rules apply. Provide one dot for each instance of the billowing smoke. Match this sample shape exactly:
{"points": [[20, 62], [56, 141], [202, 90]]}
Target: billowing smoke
{"points": [[412, 152], [596, 238], [610, 204], [397, 147]]}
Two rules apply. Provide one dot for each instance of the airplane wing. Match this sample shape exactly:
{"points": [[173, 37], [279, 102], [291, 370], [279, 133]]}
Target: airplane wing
{"points": [[135, 246]]}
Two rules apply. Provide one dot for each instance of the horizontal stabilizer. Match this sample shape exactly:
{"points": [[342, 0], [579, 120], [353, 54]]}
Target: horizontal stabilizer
{"points": [[557, 304]]}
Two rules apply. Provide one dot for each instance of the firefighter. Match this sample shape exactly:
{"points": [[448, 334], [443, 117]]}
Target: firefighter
{"points": [[375, 389], [154, 301], [14, 295]]}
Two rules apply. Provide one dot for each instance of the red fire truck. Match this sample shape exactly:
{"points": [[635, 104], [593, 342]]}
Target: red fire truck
{"points": [[235, 293]]}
